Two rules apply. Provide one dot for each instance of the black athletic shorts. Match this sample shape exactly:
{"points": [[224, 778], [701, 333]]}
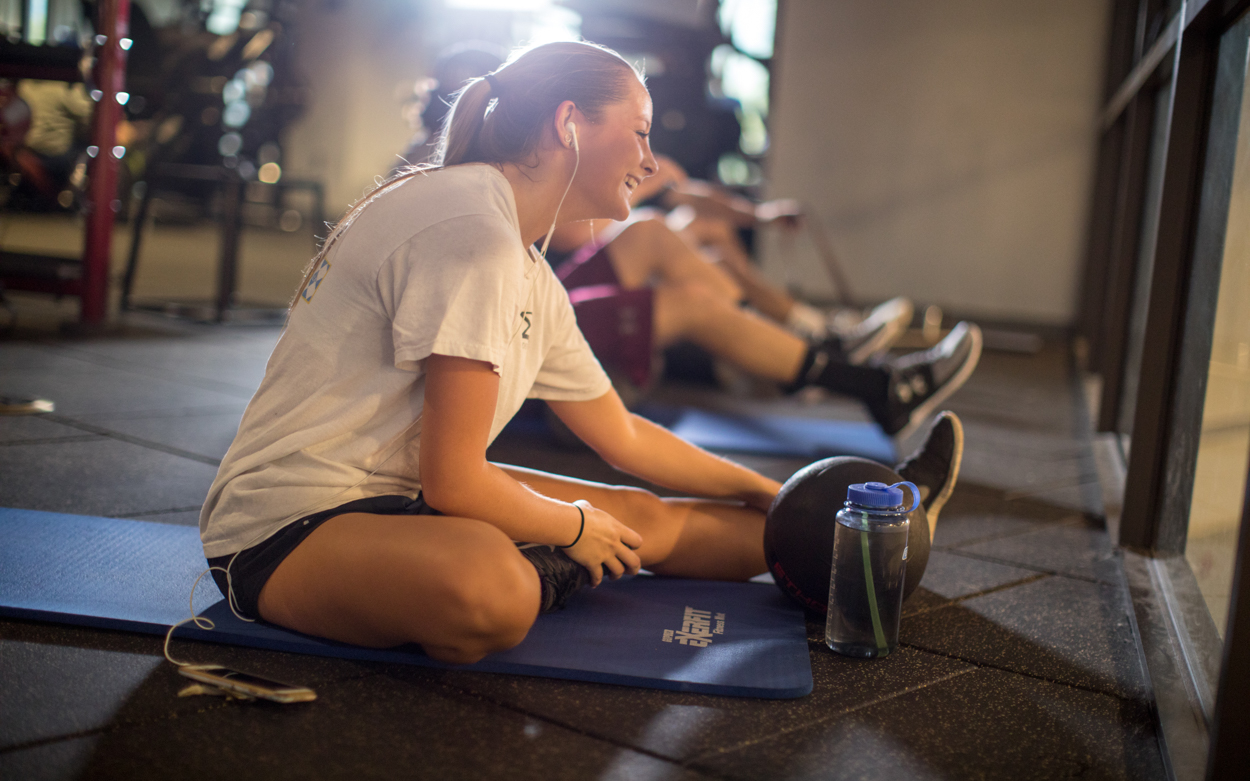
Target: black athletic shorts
{"points": [[254, 565]]}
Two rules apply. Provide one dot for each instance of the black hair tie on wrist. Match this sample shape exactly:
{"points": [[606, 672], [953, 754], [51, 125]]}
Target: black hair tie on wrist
{"points": [[494, 84], [580, 529]]}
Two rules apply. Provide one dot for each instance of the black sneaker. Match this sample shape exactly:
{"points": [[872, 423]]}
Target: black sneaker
{"points": [[560, 576], [934, 467], [876, 332], [919, 382]]}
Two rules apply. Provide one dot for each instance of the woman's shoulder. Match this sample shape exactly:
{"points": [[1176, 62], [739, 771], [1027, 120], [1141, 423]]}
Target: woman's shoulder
{"points": [[474, 181], [430, 202], [429, 197]]}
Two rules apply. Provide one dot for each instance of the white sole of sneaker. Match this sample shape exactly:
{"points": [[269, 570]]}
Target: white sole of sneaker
{"points": [[921, 413], [900, 315], [952, 476]]}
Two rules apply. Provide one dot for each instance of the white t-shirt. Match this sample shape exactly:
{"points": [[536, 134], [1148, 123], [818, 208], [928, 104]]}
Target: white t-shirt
{"points": [[435, 264]]}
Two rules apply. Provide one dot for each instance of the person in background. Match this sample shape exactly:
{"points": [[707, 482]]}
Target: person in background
{"points": [[426, 109], [640, 285], [60, 119]]}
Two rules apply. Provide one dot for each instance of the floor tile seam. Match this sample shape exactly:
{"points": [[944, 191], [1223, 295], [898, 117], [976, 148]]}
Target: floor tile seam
{"points": [[1033, 567], [1006, 535], [1078, 482], [983, 415], [830, 716], [576, 729], [1022, 427], [995, 439], [991, 666], [986, 591], [143, 513], [145, 370], [113, 727], [166, 413], [1033, 454], [138, 441], [51, 440]]}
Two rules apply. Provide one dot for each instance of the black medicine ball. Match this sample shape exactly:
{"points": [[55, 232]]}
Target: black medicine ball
{"points": [[798, 533]]}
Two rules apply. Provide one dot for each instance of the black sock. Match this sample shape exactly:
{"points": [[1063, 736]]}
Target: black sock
{"points": [[826, 368]]}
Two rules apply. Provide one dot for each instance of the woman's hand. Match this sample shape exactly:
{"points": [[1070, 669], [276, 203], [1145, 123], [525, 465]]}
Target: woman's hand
{"points": [[669, 174], [647, 450], [605, 543], [785, 211]]}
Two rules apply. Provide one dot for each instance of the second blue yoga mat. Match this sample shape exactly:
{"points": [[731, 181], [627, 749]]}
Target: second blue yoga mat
{"points": [[779, 435]]}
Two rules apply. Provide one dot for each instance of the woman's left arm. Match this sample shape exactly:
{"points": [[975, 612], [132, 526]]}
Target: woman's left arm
{"points": [[641, 448]]}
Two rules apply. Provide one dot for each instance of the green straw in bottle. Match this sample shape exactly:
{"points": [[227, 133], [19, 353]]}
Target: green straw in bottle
{"points": [[877, 631]]}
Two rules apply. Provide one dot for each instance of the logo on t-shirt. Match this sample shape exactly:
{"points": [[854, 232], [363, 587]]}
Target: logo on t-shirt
{"points": [[528, 325], [314, 281]]}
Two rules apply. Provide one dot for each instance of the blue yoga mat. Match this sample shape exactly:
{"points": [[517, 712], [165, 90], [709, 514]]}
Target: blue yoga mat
{"points": [[738, 639], [780, 436], [775, 435]]}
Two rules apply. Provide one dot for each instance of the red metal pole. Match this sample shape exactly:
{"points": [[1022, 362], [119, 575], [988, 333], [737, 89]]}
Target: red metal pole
{"points": [[111, 42]]}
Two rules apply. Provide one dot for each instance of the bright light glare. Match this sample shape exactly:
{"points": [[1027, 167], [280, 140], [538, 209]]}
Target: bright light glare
{"points": [[270, 173], [745, 80], [224, 18], [37, 22], [751, 24], [499, 5]]}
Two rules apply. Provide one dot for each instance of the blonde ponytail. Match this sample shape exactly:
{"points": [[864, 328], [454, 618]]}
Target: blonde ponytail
{"points": [[500, 118], [464, 123]]}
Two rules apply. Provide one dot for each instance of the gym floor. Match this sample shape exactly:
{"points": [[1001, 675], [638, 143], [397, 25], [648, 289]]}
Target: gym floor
{"points": [[1017, 657]]}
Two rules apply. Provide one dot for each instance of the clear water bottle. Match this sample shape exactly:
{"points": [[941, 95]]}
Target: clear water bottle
{"points": [[869, 564]]}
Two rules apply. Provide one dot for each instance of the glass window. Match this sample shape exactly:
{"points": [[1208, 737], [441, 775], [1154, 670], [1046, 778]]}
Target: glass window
{"points": [[1155, 15], [1135, 342], [1224, 446]]}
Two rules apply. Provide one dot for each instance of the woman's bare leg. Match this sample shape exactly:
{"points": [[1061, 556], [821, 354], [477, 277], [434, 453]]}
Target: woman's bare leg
{"points": [[722, 239], [648, 253], [691, 538], [457, 587], [754, 344]]}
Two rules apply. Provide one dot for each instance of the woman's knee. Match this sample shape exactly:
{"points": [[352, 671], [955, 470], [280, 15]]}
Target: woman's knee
{"points": [[697, 297], [658, 521], [489, 607], [684, 310], [696, 300], [636, 504], [714, 231]]}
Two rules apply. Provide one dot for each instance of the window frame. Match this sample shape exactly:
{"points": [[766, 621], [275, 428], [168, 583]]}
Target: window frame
{"points": [[1199, 681]]}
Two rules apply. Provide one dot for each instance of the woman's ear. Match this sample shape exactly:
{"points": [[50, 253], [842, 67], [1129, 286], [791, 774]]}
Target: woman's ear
{"points": [[566, 116]]}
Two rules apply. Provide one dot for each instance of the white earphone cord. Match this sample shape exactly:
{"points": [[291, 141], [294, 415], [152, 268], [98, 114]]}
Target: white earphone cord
{"points": [[207, 623], [576, 162]]}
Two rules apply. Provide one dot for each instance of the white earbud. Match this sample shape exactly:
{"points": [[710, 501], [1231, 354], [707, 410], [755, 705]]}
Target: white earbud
{"points": [[571, 128]]}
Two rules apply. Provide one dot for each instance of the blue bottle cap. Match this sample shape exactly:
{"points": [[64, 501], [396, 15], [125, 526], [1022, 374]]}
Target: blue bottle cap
{"points": [[881, 495], [874, 495]]}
